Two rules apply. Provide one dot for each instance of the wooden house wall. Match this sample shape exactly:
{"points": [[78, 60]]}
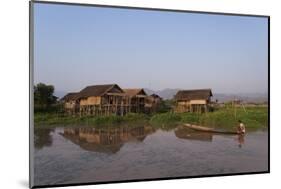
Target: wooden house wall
{"points": [[198, 102], [191, 106], [137, 104], [69, 105], [113, 100], [93, 100], [108, 104], [152, 104]]}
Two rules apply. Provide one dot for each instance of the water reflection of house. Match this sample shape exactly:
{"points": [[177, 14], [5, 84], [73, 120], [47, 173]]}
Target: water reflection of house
{"points": [[105, 140], [137, 99], [152, 103], [185, 133], [193, 100], [91, 140]]}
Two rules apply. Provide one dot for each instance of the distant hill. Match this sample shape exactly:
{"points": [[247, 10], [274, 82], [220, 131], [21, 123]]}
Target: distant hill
{"points": [[165, 93], [246, 97], [221, 97]]}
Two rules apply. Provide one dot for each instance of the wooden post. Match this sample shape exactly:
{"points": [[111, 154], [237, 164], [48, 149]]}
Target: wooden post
{"points": [[116, 104], [235, 111]]}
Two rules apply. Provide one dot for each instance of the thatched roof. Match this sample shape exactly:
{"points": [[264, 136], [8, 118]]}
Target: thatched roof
{"points": [[134, 92], [69, 96], [98, 90], [193, 94], [155, 95]]}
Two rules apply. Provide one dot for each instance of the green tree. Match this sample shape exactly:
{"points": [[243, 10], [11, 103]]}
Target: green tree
{"points": [[43, 95], [165, 106]]}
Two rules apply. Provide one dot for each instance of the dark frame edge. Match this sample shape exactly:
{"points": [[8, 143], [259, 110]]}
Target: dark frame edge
{"points": [[148, 180], [268, 85], [31, 107], [148, 8]]}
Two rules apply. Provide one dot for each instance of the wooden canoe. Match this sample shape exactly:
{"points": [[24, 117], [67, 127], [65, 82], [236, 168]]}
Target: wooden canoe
{"points": [[208, 129]]}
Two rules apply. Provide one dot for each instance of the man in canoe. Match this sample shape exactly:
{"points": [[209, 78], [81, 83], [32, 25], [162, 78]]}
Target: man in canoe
{"points": [[241, 128]]}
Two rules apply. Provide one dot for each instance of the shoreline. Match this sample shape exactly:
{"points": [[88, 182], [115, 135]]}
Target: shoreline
{"points": [[255, 118]]}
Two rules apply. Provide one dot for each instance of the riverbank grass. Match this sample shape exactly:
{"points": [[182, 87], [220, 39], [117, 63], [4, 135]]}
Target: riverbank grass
{"points": [[54, 119], [252, 117]]}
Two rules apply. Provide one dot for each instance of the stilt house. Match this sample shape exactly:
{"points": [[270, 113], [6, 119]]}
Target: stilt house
{"points": [[137, 99], [152, 103], [103, 100], [193, 100], [71, 105]]}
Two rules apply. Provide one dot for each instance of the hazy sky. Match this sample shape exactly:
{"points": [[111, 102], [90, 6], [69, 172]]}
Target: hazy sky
{"points": [[76, 46]]}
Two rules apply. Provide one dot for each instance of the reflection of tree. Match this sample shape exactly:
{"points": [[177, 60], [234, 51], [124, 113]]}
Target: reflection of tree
{"points": [[42, 137], [106, 140], [186, 133]]}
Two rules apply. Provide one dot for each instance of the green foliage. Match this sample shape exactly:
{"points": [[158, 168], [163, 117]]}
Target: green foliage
{"points": [[45, 119], [53, 108], [43, 96], [166, 118], [252, 117], [170, 102], [164, 106], [192, 118]]}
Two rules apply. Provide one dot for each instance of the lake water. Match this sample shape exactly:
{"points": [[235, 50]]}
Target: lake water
{"points": [[76, 155]]}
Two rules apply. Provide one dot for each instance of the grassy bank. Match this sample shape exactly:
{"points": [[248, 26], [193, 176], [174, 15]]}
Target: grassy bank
{"points": [[54, 119], [253, 117]]}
